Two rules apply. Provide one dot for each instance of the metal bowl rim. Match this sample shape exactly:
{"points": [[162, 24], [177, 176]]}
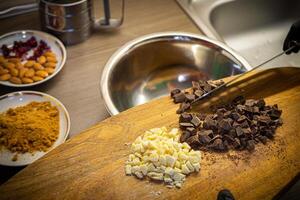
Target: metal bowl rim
{"points": [[115, 58]]}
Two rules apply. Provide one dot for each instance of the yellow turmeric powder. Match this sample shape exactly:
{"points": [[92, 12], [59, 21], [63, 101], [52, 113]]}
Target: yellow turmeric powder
{"points": [[29, 128]]}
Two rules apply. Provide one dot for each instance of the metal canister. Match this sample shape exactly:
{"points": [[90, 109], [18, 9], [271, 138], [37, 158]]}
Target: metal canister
{"points": [[73, 20]]}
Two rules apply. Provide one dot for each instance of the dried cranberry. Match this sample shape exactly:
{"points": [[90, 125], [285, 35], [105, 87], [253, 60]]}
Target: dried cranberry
{"points": [[32, 42], [5, 50]]}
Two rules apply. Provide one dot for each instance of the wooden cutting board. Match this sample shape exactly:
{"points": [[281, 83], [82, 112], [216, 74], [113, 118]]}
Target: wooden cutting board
{"points": [[91, 165]]}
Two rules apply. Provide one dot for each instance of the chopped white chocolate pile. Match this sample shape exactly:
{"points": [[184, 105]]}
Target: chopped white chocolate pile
{"points": [[159, 155]]}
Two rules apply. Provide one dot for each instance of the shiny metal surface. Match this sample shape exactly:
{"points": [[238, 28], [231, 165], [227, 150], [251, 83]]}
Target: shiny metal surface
{"points": [[73, 21], [150, 66], [66, 23], [254, 28]]}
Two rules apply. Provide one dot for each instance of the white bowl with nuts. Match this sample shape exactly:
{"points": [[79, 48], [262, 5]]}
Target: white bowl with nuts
{"points": [[29, 58]]}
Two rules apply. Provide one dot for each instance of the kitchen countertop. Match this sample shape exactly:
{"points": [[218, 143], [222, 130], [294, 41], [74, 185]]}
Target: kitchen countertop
{"points": [[77, 85]]}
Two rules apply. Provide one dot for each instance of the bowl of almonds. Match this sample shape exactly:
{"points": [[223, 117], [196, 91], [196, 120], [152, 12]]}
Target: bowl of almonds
{"points": [[30, 58]]}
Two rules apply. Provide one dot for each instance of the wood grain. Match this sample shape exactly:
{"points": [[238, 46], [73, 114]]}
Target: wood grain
{"points": [[91, 165]]}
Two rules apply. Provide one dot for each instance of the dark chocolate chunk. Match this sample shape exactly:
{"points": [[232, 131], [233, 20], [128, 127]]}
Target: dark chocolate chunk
{"points": [[195, 85], [184, 136], [185, 125], [207, 87], [250, 102], [278, 122], [193, 141], [175, 91], [185, 117], [243, 142], [196, 121], [218, 145], [236, 144], [229, 138], [245, 124], [247, 131], [275, 114], [260, 103], [204, 139], [221, 111], [192, 130], [190, 97], [256, 109], [240, 108], [264, 119], [225, 124], [263, 139], [183, 107], [209, 123], [269, 134], [206, 132], [241, 119], [239, 131], [201, 116], [232, 133], [250, 145], [235, 115], [227, 114], [235, 124], [238, 100], [198, 93], [179, 98]]}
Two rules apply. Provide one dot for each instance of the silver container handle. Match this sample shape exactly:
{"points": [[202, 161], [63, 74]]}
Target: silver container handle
{"points": [[107, 22]]}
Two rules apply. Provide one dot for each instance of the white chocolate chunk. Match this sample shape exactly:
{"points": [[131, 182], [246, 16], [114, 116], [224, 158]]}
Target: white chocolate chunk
{"points": [[158, 155], [128, 169], [185, 169]]}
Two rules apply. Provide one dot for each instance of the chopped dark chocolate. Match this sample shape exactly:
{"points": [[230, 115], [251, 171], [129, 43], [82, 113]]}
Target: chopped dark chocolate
{"points": [[204, 139], [183, 107], [184, 136], [209, 123], [198, 93], [224, 124], [206, 132], [195, 85], [250, 102], [179, 98], [190, 97], [263, 139], [193, 141], [239, 125], [185, 125], [185, 117], [238, 100], [241, 119], [250, 145], [261, 103], [175, 91], [239, 131], [207, 87], [191, 130], [196, 121], [218, 145]]}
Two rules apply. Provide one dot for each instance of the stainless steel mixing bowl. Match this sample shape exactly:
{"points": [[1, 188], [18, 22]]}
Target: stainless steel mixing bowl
{"points": [[150, 66]]}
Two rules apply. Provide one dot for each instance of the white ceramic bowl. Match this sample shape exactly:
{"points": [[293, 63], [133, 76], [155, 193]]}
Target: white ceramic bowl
{"points": [[21, 98], [55, 44]]}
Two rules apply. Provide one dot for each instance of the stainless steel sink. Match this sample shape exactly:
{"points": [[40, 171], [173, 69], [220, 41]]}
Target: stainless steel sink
{"points": [[254, 28]]}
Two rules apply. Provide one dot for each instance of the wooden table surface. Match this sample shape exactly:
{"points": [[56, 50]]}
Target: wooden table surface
{"points": [[91, 165], [77, 85]]}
